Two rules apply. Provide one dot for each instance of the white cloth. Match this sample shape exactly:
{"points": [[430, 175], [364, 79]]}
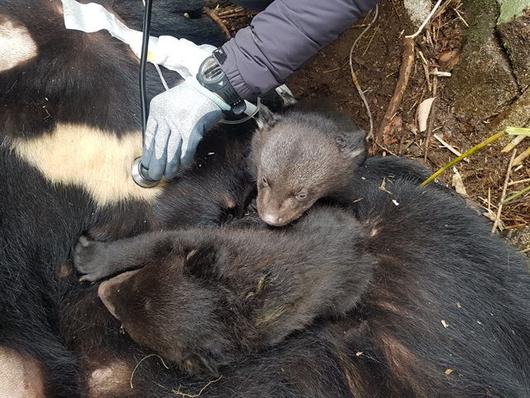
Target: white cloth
{"points": [[180, 55]]}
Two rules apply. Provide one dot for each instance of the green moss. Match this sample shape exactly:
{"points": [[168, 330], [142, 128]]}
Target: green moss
{"points": [[482, 84], [481, 15], [511, 9]]}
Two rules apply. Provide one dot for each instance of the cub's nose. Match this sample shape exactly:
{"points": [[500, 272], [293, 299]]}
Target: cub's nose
{"points": [[272, 219]]}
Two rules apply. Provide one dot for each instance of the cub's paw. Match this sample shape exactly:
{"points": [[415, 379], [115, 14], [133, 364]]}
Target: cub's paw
{"points": [[90, 259]]}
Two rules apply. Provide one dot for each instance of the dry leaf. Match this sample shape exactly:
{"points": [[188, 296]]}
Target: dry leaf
{"points": [[424, 110], [520, 158], [448, 371], [445, 324], [458, 183], [449, 59]]}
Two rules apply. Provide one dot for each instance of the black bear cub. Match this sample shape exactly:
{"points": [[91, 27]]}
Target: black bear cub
{"points": [[204, 296], [301, 157]]}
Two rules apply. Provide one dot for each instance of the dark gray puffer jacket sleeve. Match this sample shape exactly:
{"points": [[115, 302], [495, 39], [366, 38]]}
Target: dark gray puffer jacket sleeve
{"points": [[282, 38]]}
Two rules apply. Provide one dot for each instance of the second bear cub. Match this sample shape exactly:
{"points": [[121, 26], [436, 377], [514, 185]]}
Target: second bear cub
{"points": [[203, 296]]}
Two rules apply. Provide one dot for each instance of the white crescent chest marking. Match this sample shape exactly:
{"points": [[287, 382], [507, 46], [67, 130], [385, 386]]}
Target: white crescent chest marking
{"points": [[16, 44], [90, 158]]}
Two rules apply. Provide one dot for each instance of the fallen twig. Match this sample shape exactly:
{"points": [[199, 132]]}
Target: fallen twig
{"points": [[457, 160], [369, 43], [449, 146], [401, 85], [355, 79], [516, 141], [440, 73], [232, 12], [385, 149], [213, 15], [519, 159], [503, 195], [140, 361], [518, 182], [183, 394], [455, 9], [426, 21]]}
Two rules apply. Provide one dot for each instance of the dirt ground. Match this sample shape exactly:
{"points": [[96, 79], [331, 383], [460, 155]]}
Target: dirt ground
{"points": [[377, 58]]}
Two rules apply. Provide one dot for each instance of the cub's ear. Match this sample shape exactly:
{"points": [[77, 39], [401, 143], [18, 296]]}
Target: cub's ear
{"points": [[352, 145], [266, 119], [201, 262]]}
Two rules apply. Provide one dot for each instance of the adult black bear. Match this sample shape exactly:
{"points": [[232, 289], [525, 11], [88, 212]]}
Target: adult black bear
{"points": [[443, 307], [69, 128], [69, 131]]}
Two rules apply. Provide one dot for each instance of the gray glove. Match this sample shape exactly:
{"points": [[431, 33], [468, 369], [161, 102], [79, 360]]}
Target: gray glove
{"points": [[177, 121]]}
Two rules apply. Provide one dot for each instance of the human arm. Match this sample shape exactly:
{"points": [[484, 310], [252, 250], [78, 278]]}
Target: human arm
{"points": [[282, 38], [279, 41]]}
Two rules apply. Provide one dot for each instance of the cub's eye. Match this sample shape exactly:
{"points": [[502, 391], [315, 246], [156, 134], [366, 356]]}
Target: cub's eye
{"points": [[264, 182], [302, 195]]}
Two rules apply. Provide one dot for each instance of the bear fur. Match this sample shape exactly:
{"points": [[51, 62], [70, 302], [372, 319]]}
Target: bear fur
{"points": [[444, 311]]}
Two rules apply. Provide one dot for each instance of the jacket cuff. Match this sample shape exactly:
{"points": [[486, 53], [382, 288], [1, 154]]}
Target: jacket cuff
{"points": [[248, 78]]}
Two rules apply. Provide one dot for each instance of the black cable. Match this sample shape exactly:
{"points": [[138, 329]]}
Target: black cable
{"points": [[143, 63], [137, 169]]}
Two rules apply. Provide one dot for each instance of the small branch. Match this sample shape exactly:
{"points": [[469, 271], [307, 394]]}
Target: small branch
{"points": [[426, 21], [213, 15], [503, 196], [516, 141], [355, 79], [519, 159], [457, 160], [448, 146], [232, 12], [140, 361], [182, 394], [519, 182], [455, 9], [357, 85], [404, 75]]}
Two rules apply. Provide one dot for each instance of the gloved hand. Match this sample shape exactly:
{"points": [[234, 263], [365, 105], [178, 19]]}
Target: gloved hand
{"points": [[177, 121]]}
